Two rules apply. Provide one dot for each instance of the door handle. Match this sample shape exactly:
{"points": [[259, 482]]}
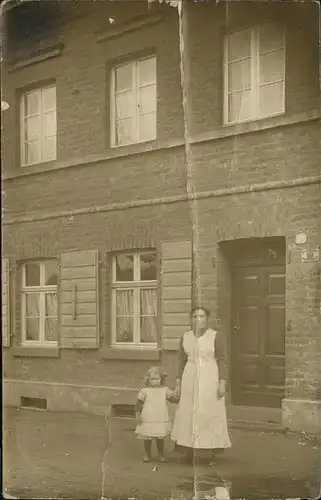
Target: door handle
{"points": [[74, 310], [236, 327]]}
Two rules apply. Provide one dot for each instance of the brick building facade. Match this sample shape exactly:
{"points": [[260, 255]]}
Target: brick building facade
{"points": [[106, 211]]}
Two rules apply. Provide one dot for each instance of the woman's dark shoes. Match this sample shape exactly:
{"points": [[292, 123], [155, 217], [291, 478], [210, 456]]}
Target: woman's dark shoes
{"points": [[216, 457]]}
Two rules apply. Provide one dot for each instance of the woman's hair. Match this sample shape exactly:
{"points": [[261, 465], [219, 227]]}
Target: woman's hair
{"points": [[154, 370], [200, 308]]}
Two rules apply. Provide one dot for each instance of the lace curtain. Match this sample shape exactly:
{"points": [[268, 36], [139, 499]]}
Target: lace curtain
{"points": [[33, 315], [126, 313]]}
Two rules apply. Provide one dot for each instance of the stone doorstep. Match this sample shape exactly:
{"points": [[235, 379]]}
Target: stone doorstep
{"points": [[255, 418]]}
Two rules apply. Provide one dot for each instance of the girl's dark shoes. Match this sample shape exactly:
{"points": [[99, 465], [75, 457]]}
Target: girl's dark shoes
{"points": [[160, 458]]}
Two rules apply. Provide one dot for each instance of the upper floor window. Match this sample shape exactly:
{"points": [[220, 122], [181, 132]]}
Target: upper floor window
{"points": [[133, 102], [39, 316], [38, 129], [254, 73], [134, 299]]}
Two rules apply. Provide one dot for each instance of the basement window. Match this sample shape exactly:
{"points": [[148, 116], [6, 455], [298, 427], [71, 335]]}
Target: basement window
{"points": [[123, 411], [38, 403]]}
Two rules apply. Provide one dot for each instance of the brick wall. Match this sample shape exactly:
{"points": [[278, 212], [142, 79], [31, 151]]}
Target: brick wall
{"points": [[82, 88], [263, 214], [277, 154], [266, 214], [85, 368], [118, 180], [281, 153], [136, 228], [206, 55]]}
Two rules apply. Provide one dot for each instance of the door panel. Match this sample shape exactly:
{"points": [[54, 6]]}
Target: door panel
{"points": [[258, 336], [249, 284], [276, 284], [249, 323], [275, 329]]}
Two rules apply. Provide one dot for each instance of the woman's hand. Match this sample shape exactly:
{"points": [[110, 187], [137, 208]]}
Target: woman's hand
{"points": [[221, 390], [178, 389]]}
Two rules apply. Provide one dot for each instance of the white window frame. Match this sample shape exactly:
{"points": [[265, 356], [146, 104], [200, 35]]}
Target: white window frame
{"points": [[136, 286], [40, 290], [135, 90], [23, 117], [255, 75]]}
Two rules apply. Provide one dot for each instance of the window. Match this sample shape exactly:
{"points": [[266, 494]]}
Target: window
{"points": [[38, 126], [254, 73], [39, 303], [133, 102], [134, 299]]}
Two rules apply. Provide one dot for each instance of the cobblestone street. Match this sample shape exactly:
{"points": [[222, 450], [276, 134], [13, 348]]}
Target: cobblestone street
{"points": [[63, 455]]}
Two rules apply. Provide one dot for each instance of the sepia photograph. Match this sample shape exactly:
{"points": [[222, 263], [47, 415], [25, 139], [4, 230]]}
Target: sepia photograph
{"points": [[161, 232]]}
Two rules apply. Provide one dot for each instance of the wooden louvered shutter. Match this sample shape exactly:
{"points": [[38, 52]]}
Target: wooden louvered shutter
{"points": [[5, 302], [79, 300], [176, 292]]}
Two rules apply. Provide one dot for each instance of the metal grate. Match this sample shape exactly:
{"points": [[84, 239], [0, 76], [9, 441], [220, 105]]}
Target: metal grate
{"points": [[26, 402], [123, 411]]}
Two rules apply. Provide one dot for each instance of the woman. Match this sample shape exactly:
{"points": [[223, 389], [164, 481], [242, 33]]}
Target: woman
{"points": [[200, 420]]}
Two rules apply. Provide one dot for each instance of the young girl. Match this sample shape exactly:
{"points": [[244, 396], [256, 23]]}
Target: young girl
{"points": [[152, 415]]}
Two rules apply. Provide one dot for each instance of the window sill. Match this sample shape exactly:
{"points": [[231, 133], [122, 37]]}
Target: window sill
{"points": [[36, 167], [131, 354], [231, 130], [35, 352], [132, 147], [39, 164], [255, 119]]}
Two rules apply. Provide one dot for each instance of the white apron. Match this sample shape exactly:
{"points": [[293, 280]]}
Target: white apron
{"points": [[200, 420]]}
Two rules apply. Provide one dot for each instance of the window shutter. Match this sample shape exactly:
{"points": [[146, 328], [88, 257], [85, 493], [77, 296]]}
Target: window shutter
{"points": [[176, 291], [79, 300], [5, 303]]}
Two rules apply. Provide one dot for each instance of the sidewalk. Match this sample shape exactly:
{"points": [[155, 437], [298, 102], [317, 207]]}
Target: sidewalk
{"points": [[63, 455]]}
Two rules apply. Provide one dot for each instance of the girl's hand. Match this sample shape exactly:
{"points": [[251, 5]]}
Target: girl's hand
{"points": [[221, 390], [171, 397]]}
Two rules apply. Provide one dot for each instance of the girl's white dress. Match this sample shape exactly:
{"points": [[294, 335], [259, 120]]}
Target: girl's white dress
{"points": [[200, 420], [155, 416]]}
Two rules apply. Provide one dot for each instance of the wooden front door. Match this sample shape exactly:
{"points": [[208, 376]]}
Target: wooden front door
{"points": [[258, 335]]}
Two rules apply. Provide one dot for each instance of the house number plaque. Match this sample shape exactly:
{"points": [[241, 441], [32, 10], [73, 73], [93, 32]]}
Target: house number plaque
{"points": [[310, 255]]}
